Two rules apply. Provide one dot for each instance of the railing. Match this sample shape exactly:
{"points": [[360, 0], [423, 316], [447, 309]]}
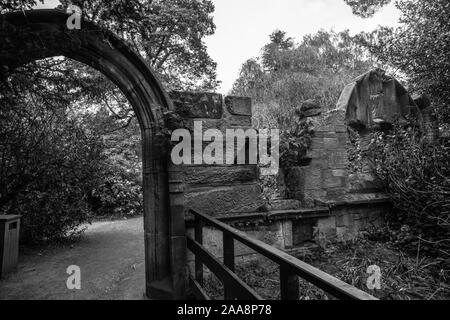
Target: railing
{"points": [[234, 288]]}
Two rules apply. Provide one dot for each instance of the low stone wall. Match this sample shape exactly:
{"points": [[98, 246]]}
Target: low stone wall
{"points": [[292, 229]]}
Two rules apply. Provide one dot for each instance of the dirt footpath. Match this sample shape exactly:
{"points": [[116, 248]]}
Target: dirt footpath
{"points": [[110, 256]]}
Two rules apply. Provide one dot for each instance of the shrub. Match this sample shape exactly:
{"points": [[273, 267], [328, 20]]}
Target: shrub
{"points": [[416, 174], [46, 173], [118, 195]]}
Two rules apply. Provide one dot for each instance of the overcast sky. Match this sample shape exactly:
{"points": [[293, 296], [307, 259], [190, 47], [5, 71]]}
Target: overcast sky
{"points": [[243, 27]]}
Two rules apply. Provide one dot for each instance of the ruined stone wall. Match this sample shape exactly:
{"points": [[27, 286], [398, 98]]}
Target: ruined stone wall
{"points": [[326, 175], [231, 192], [218, 189]]}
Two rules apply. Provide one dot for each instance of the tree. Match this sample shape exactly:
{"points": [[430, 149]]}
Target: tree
{"points": [[415, 171], [278, 42], [366, 8], [69, 142], [317, 68], [169, 34], [48, 163], [291, 79]]}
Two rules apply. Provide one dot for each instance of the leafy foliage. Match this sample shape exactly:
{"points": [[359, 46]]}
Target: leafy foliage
{"points": [[48, 165], [12, 5], [70, 143], [289, 74], [168, 34], [418, 49], [59, 163], [403, 277], [366, 8], [416, 173]]}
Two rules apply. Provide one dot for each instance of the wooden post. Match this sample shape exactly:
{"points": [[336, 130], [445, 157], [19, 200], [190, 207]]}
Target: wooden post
{"points": [[228, 260], [289, 287], [199, 239]]}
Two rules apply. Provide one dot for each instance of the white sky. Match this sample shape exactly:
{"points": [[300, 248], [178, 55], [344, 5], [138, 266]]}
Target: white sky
{"points": [[243, 27]]}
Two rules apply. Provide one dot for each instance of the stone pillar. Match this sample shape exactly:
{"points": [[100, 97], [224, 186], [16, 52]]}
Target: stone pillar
{"points": [[326, 175], [165, 242], [178, 252], [158, 277]]}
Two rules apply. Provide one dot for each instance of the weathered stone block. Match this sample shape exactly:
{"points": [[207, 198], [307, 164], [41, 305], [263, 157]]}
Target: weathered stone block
{"points": [[317, 143], [339, 173], [330, 134], [341, 128], [342, 139], [319, 134], [313, 179], [344, 219], [197, 105], [303, 230], [241, 106], [285, 204], [338, 159], [219, 175], [330, 143], [287, 230], [326, 227], [333, 182], [239, 121], [314, 154], [224, 200]]}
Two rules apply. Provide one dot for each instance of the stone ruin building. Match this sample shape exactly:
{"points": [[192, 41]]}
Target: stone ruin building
{"points": [[326, 201]]}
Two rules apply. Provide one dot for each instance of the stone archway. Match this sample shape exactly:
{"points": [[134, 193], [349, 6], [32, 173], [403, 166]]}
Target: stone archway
{"points": [[37, 34]]}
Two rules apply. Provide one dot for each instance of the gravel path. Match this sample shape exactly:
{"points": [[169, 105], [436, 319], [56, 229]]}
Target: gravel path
{"points": [[110, 256]]}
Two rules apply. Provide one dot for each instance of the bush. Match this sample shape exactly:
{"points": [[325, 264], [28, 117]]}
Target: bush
{"points": [[118, 195], [416, 174], [46, 175], [57, 168]]}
